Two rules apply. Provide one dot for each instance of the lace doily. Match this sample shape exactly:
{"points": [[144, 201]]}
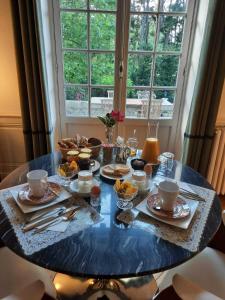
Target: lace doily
{"points": [[31, 243], [186, 238]]}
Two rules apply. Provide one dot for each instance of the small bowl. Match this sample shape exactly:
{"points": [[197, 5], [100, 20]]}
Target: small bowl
{"points": [[138, 164], [124, 201]]}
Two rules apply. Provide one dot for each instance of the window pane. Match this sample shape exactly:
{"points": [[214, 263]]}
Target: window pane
{"points": [[75, 67], [76, 99], [103, 4], [139, 69], [167, 102], [144, 5], [102, 69], [173, 5], [170, 33], [137, 103], [103, 29], [142, 32], [81, 4], [101, 101], [166, 67], [74, 30]]}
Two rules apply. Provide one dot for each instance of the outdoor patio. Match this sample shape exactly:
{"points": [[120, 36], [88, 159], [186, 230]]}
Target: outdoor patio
{"points": [[135, 108]]}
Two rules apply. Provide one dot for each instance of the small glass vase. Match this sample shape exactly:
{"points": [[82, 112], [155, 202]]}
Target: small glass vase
{"points": [[109, 134]]}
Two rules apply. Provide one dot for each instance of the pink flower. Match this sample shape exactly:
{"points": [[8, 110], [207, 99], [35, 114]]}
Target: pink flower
{"points": [[117, 116]]}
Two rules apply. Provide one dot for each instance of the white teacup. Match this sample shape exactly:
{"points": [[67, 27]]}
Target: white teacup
{"points": [[37, 181], [168, 191]]}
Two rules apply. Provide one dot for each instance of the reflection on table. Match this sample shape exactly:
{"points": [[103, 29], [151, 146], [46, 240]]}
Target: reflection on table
{"points": [[110, 249]]}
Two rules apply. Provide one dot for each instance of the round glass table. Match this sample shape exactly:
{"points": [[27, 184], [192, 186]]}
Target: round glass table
{"points": [[109, 249]]}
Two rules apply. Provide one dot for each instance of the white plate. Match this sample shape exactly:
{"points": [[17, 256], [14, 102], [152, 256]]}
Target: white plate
{"points": [[28, 208], [181, 223], [74, 187], [115, 177]]}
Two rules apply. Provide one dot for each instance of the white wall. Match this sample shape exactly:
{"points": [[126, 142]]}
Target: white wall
{"points": [[9, 93], [12, 151]]}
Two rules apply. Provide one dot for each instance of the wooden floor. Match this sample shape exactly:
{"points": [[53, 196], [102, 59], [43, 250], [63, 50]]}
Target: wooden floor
{"points": [[222, 198]]}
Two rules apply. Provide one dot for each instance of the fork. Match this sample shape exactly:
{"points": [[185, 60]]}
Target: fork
{"points": [[191, 195], [66, 218]]}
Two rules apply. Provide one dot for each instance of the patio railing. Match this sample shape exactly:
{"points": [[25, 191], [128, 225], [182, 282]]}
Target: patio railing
{"points": [[135, 108]]}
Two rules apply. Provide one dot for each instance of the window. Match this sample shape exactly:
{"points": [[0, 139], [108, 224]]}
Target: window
{"points": [[123, 54]]}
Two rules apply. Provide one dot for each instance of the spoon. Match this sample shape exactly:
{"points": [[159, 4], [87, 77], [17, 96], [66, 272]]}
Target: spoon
{"points": [[67, 217]]}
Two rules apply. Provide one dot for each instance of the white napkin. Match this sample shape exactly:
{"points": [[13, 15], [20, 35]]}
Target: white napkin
{"points": [[61, 224], [60, 227]]}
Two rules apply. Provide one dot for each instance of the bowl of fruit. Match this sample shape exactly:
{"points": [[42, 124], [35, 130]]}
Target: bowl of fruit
{"points": [[66, 171], [125, 192]]}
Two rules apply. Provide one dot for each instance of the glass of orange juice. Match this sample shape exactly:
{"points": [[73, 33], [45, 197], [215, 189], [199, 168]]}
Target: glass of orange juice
{"points": [[151, 149]]}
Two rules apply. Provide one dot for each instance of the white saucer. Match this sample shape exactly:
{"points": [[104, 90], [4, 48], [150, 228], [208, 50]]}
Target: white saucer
{"points": [[51, 193], [74, 187], [180, 211]]}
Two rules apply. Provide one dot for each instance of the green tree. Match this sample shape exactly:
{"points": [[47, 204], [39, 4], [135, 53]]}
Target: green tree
{"points": [[74, 27]]}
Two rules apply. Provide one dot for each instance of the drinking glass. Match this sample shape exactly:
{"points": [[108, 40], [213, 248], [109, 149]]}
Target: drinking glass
{"points": [[132, 143], [166, 160]]}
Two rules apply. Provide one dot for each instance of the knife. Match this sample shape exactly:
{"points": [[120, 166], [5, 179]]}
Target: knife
{"points": [[47, 212], [48, 219]]}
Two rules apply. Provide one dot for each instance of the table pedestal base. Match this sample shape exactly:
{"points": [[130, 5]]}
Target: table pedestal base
{"points": [[135, 288]]}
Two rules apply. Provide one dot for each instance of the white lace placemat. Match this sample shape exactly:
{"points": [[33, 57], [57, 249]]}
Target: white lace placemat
{"points": [[186, 238], [31, 243]]}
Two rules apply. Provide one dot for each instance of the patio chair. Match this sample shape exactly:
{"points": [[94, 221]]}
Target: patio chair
{"points": [[184, 289], [110, 93], [207, 269], [106, 105], [34, 291], [155, 109], [16, 274]]}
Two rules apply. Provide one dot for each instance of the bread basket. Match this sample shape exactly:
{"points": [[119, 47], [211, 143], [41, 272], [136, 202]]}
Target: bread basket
{"points": [[92, 143]]}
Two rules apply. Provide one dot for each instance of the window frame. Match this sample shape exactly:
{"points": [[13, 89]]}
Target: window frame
{"points": [[120, 53]]}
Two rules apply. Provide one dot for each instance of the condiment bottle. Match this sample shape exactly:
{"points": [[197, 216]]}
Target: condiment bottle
{"points": [[148, 170], [95, 195], [85, 181]]}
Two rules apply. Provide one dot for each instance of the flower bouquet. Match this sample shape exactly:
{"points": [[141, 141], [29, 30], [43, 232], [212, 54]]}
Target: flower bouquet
{"points": [[109, 120]]}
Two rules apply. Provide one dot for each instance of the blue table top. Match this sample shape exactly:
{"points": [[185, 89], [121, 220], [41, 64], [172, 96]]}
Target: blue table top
{"points": [[109, 249]]}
